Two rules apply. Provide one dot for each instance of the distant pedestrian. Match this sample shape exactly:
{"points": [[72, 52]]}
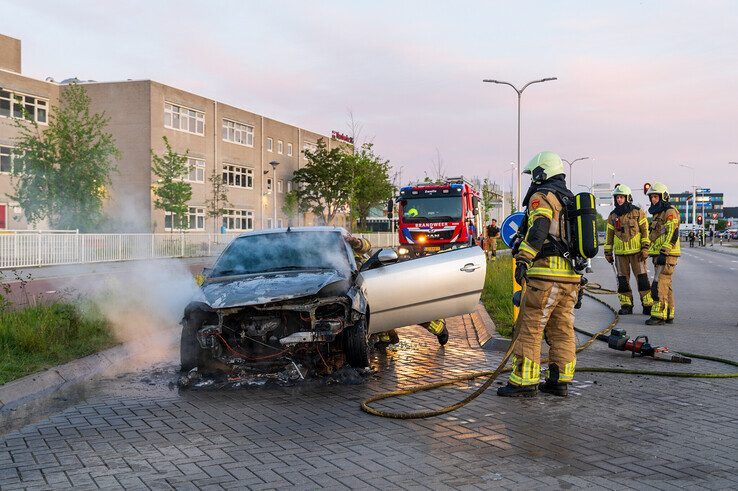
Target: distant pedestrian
{"points": [[691, 236], [712, 237], [493, 233]]}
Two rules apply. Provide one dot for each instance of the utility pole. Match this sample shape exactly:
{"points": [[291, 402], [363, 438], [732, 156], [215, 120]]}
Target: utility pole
{"points": [[274, 165], [694, 197], [520, 95]]}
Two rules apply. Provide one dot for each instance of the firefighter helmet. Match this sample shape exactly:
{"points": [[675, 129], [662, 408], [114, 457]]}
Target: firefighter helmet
{"points": [[660, 189], [622, 189], [544, 166]]}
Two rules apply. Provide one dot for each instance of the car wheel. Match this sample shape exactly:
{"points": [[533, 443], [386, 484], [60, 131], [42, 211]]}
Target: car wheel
{"points": [[356, 345], [190, 352]]}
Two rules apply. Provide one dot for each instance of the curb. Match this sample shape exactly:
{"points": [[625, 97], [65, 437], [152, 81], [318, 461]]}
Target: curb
{"points": [[30, 387], [487, 331]]}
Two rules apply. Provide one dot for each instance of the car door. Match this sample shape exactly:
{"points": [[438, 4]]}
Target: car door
{"points": [[420, 290]]}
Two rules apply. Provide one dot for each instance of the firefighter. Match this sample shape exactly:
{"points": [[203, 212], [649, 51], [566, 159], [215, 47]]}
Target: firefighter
{"points": [[551, 286], [665, 250], [493, 233], [361, 248], [627, 239]]}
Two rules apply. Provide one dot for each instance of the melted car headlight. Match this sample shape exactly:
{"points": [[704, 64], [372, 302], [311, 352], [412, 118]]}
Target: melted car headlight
{"points": [[403, 251]]}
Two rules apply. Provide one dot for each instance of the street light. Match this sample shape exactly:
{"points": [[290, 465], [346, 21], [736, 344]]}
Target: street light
{"points": [[520, 95], [274, 165], [694, 196], [571, 182]]}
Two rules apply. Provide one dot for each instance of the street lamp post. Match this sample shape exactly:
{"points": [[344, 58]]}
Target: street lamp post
{"points": [[274, 165], [694, 196], [520, 95], [571, 182]]}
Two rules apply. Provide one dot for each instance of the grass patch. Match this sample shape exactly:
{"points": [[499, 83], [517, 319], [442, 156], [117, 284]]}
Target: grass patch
{"points": [[40, 337], [497, 294]]}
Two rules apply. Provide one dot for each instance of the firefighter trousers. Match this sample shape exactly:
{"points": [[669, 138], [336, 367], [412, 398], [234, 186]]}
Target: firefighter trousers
{"points": [[623, 266], [663, 295], [547, 307]]}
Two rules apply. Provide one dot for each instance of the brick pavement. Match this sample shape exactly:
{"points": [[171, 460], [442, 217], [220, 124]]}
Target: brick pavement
{"points": [[612, 433]]}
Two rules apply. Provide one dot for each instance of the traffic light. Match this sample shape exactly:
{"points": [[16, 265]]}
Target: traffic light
{"points": [[646, 187], [730, 223], [699, 219]]}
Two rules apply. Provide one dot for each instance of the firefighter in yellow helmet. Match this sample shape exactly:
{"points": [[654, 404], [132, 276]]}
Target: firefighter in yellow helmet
{"points": [[551, 286], [665, 251], [626, 246], [361, 248]]}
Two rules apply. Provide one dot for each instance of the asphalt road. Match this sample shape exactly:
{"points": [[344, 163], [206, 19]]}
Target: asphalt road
{"points": [[136, 430]]}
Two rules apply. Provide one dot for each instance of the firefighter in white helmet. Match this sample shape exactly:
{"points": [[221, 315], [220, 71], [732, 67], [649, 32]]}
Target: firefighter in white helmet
{"points": [[626, 246], [665, 251]]}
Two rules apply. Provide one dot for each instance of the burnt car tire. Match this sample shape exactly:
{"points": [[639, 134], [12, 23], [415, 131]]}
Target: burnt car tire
{"points": [[190, 353], [356, 345]]}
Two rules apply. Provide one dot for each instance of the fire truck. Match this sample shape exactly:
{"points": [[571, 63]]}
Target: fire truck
{"points": [[436, 216]]}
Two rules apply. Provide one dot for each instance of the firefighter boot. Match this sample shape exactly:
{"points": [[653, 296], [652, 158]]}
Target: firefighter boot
{"points": [[552, 384], [443, 337], [625, 310], [647, 310], [655, 321], [512, 390]]}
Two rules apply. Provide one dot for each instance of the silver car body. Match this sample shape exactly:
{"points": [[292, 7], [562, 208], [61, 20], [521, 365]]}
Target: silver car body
{"points": [[433, 287]]}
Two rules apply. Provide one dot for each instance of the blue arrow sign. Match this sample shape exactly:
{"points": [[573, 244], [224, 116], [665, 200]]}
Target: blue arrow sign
{"points": [[510, 227]]}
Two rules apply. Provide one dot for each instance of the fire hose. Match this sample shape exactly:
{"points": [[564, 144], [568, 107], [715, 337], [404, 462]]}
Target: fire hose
{"points": [[590, 291]]}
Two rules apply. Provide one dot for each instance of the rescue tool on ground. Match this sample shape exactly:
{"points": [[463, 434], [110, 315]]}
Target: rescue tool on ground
{"points": [[619, 340]]}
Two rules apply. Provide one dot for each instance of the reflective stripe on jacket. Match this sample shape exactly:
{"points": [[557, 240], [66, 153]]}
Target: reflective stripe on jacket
{"points": [[665, 233], [627, 234]]}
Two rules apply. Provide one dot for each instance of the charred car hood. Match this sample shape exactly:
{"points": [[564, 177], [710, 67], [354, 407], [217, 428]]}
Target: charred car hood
{"points": [[265, 288]]}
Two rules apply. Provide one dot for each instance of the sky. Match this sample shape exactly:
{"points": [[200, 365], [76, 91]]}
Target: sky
{"points": [[643, 87]]}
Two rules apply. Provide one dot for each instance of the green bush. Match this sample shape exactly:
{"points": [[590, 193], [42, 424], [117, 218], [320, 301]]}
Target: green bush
{"points": [[497, 294], [40, 337]]}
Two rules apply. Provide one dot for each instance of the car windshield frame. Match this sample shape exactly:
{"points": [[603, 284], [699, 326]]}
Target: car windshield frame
{"points": [[283, 252], [449, 214]]}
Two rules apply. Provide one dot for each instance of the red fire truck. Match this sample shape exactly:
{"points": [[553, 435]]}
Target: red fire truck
{"points": [[437, 216]]}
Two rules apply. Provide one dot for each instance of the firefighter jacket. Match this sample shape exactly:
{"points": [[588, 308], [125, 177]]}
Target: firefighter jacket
{"points": [[665, 233], [544, 223], [628, 233]]}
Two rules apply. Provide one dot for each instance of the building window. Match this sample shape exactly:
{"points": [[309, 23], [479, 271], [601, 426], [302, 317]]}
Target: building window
{"points": [[310, 146], [238, 220], [289, 150], [289, 186], [238, 133], [197, 170], [183, 119], [6, 159], [280, 186], [270, 144], [280, 147], [236, 176], [269, 183], [196, 218], [279, 223], [15, 105], [269, 223]]}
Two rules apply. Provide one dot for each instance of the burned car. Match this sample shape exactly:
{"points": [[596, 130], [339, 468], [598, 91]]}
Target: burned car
{"points": [[276, 294]]}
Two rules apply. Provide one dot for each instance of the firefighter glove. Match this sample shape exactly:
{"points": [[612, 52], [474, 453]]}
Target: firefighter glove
{"points": [[660, 260], [521, 268], [609, 257]]}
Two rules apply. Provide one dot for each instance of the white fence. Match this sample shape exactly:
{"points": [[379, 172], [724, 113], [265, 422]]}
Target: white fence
{"points": [[22, 250]]}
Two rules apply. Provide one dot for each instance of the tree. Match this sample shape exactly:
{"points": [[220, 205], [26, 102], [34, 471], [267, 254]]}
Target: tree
{"points": [[172, 193], [63, 173], [290, 207], [323, 186], [371, 184], [215, 207]]}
